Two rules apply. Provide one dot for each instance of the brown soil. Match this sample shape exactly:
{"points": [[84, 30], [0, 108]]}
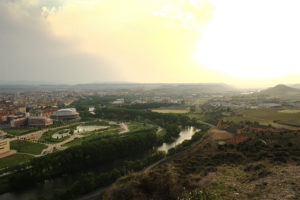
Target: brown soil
{"points": [[217, 134]]}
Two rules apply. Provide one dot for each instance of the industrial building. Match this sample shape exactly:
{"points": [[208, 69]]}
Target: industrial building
{"points": [[31, 121], [18, 122], [39, 121]]}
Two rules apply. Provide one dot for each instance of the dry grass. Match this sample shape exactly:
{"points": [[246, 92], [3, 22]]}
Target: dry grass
{"points": [[267, 116]]}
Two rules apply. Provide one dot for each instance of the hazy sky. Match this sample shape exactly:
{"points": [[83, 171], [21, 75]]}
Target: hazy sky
{"points": [[245, 43]]}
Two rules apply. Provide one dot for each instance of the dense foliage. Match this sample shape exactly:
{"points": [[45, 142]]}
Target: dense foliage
{"points": [[81, 158]]}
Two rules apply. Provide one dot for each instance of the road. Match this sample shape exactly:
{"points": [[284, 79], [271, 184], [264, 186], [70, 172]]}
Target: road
{"points": [[206, 123], [124, 127]]}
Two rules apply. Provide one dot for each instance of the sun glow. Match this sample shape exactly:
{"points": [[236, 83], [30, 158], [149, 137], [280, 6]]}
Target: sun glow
{"points": [[234, 41], [252, 39]]}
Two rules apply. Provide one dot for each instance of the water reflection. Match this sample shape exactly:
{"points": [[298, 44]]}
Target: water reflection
{"points": [[185, 134]]}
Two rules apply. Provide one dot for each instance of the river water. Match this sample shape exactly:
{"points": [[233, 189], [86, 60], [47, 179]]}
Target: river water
{"points": [[185, 134]]}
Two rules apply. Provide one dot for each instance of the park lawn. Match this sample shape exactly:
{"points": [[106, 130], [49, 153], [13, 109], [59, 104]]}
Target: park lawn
{"points": [[20, 131], [47, 136], [14, 160], [96, 123], [266, 116], [95, 135], [23, 146], [134, 126]]}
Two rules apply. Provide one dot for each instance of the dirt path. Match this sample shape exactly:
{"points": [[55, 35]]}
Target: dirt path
{"points": [[125, 128], [159, 129]]}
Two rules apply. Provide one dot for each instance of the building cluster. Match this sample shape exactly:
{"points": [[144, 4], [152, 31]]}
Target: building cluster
{"points": [[43, 120], [239, 103], [31, 121], [144, 100], [34, 108], [4, 146]]}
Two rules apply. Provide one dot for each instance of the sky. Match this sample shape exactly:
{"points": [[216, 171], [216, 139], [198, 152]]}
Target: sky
{"points": [[244, 43]]}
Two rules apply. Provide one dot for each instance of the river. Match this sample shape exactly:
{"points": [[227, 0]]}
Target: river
{"points": [[185, 134]]}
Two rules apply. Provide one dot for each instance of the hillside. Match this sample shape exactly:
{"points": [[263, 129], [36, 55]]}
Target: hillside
{"points": [[247, 166], [281, 90]]}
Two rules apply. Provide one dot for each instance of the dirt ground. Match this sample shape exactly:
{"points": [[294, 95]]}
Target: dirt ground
{"points": [[217, 134]]}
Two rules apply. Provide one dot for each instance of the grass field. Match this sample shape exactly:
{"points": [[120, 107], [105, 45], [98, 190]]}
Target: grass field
{"points": [[289, 111], [93, 135], [134, 126], [20, 131], [14, 160], [27, 147], [175, 111], [47, 136], [264, 116]]}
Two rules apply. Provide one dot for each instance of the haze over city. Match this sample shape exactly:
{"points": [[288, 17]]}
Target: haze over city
{"points": [[242, 43], [149, 99]]}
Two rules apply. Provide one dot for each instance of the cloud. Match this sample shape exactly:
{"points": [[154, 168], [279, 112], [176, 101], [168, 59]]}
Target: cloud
{"points": [[29, 50], [192, 14], [142, 46]]}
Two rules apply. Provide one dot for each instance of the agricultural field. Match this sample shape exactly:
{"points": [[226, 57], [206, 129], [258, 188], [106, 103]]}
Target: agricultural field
{"points": [[171, 110], [290, 111], [270, 116], [23, 146], [14, 160]]}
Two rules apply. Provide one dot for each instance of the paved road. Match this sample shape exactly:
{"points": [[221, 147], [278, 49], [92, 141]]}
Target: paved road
{"points": [[155, 164], [202, 122]]}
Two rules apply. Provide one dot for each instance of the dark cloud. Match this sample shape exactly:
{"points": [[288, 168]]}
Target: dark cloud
{"points": [[28, 50]]}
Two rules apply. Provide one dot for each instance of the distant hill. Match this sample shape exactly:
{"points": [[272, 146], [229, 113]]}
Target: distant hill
{"points": [[196, 88], [295, 86], [157, 88], [281, 90]]}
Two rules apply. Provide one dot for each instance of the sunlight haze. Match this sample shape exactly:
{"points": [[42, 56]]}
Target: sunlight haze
{"points": [[243, 43]]}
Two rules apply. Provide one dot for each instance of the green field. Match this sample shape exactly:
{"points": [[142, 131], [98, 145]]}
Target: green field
{"points": [[27, 147], [289, 111], [20, 131], [14, 160], [47, 136], [93, 135], [267, 116], [175, 111], [134, 126]]}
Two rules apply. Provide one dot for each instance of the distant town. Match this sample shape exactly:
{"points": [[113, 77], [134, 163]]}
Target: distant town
{"points": [[94, 125]]}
